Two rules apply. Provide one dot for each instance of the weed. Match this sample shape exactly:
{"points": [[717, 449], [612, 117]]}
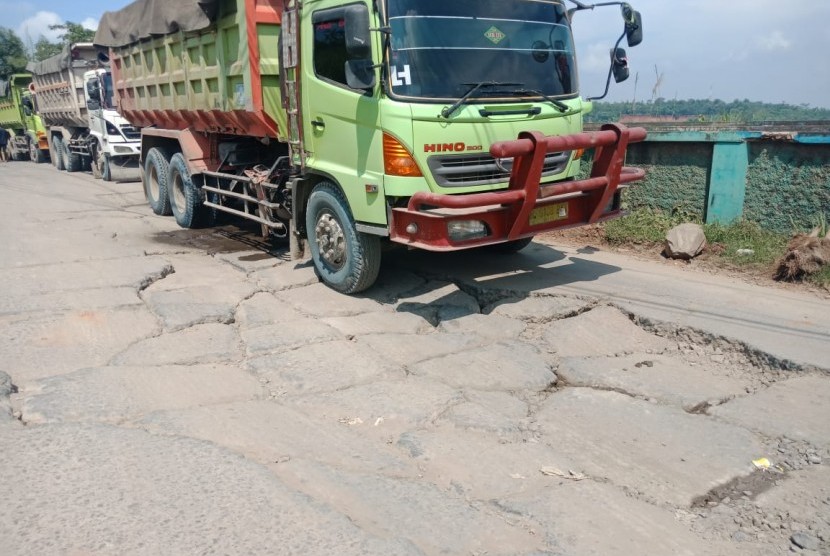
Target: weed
{"points": [[821, 278], [643, 226], [766, 247]]}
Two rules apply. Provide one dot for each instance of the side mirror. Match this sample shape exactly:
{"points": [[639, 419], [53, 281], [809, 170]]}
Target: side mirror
{"points": [[358, 38], [93, 105], [633, 25], [619, 65], [360, 74], [27, 110]]}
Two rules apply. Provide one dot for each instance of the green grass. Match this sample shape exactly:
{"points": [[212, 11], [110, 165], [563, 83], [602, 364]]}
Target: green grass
{"points": [[768, 247], [642, 226], [821, 278]]}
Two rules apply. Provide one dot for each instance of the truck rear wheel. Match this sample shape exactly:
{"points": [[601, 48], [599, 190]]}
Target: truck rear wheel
{"points": [[185, 198], [72, 162], [56, 152], [35, 154], [345, 260], [156, 171]]}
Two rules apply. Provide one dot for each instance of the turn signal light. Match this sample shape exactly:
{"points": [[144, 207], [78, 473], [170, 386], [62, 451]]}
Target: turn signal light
{"points": [[396, 159], [578, 153]]}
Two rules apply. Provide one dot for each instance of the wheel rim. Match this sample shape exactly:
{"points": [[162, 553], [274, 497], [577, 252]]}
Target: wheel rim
{"points": [[33, 152], [99, 160], [331, 241], [153, 184], [178, 192]]}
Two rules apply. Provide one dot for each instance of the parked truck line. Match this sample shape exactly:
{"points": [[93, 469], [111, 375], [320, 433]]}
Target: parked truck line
{"points": [[431, 124]]}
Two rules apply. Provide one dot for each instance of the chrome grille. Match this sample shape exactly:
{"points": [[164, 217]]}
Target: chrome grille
{"points": [[483, 169]]}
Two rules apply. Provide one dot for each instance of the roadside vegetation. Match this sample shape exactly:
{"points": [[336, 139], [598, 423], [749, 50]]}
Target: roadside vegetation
{"points": [[708, 111], [742, 245]]}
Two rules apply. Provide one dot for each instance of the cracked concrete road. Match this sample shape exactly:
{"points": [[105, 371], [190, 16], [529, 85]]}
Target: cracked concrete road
{"points": [[165, 391]]}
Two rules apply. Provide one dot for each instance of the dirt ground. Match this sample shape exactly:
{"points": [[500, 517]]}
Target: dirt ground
{"points": [[594, 237]]}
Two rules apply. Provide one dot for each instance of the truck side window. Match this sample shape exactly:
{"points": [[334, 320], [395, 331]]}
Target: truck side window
{"points": [[330, 49]]}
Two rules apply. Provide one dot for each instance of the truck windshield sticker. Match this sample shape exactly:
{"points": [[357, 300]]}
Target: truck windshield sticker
{"points": [[401, 77], [494, 35]]}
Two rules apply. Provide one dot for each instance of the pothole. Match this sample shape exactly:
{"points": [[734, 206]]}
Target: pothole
{"points": [[747, 487]]}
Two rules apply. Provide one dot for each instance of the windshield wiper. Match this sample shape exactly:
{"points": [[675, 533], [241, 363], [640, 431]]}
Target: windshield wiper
{"points": [[474, 87], [561, 106]]}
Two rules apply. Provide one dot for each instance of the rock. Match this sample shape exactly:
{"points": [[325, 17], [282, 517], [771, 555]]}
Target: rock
{"points": [[805, 541], [685, 241]]}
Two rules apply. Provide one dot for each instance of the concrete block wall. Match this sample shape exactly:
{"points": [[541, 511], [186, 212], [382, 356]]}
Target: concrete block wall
{"points": [[779, 179]]}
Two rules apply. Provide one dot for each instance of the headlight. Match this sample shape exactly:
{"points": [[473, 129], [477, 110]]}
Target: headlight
{"points": [[122, 150], [112, 130], [463, 230]]}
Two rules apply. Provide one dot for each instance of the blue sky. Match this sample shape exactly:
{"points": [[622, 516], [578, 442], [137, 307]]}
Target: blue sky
{"points": [[765, 50]]}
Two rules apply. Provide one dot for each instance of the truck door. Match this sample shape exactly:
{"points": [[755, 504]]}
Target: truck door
{"points": [[341, 125], [94, 104]]}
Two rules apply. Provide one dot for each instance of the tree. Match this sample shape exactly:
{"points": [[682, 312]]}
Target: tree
{"points": [[73, 32], [45, 49], [12, 53]]}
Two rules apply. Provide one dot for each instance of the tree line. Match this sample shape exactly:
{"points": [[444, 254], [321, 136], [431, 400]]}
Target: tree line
{"points": [[708, 110], [15, 54]]}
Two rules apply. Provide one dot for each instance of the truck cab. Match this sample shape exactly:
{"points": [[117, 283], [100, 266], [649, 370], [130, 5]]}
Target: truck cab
{"points": [[117, 140]]}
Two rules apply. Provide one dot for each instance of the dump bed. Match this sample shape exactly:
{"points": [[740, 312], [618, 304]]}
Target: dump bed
{"points": [[59, 85], [11, 112], [206, 65]]}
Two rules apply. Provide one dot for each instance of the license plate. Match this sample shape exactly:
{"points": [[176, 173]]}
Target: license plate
{"points": [[549, 213]]}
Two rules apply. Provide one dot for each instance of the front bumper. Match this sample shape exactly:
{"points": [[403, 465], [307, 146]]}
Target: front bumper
{"points": [[525, 208]]}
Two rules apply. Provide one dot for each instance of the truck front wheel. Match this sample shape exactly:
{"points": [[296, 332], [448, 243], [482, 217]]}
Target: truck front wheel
{"points": [[101, 164], [346, 260], [156, 170], [185, 198], [36, 154]]}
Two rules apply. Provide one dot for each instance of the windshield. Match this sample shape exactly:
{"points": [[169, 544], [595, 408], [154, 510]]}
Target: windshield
{"points": [[440, 48]]}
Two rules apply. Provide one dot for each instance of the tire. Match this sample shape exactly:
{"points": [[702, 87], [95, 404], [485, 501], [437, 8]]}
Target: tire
{"points": [[96, 162], [35, 154], [72, 162], [100, 164], [106, 168], [510, 247], [353, 265], [56, 152], [156, 171], [185, 197]]}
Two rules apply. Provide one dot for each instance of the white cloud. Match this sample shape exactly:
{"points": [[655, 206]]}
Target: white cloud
{"points": [[596, 58], [775, 41], [90, 23], [37, 25]]}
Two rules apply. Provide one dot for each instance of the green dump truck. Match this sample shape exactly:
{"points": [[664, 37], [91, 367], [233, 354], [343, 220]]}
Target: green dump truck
{"points": [[345, 124], [17, 114]]}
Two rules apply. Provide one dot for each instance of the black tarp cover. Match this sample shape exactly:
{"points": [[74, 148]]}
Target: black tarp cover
{"points": [[146, 18]]}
